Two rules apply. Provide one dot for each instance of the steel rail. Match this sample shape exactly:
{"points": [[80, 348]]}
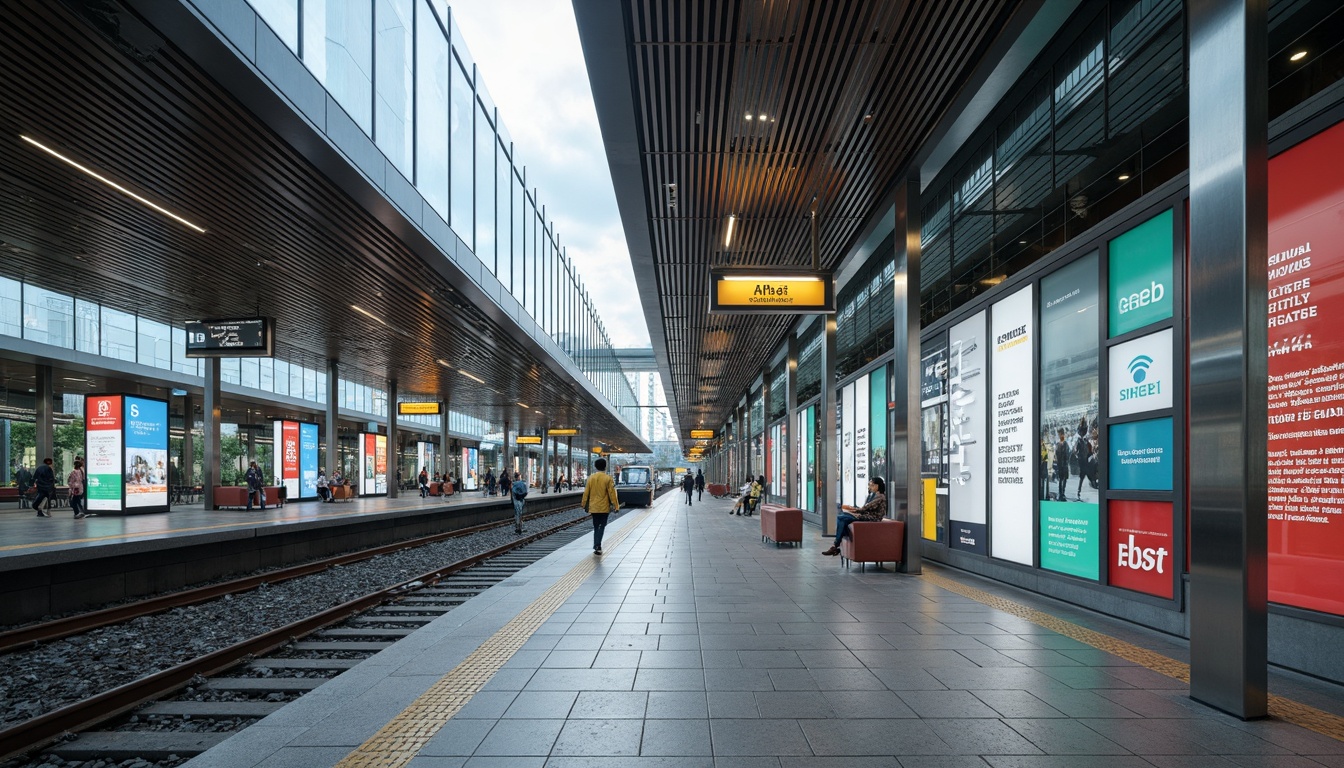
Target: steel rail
{"points": [[27, 636], [31, 735]]}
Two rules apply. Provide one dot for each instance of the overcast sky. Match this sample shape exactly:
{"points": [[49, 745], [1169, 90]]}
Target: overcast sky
{"points": [[529, 55]]}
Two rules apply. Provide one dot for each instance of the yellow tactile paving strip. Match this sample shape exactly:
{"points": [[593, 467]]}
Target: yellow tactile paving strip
{"points": [[1294, 712], [399, 741]]}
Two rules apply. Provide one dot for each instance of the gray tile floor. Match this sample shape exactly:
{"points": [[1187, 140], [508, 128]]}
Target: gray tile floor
{"points": [[695, 645]]}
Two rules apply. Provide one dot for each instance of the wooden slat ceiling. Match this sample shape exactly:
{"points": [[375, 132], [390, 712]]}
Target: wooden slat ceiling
{"points": [[757, 108], [281, 237]]}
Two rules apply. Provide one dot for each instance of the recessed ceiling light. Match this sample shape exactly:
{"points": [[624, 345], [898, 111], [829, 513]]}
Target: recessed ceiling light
{"points": [[1021, 242], [748, 117], [524, 405], [1300, 55], [760, 117], [469, 376], [115, 185], [1123, 177]]}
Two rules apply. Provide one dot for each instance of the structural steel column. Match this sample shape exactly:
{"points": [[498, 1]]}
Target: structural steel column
{"points": [[828, 484], [45, 437], [333, 411], [544, 476], [765, 428], [906, 422], [1228, 354], [210, 458], [791, 423], [184, 476], [393, 454], [508, 464], [569, 460]]}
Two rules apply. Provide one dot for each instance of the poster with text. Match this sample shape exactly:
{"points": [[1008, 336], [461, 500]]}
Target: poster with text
{"points": [[861, 431], [1306, 374], [380, 464], [1140, 268], [102, 452], [1141, 374], [967, 399], [846, 453], [1141, 546], [307, 461], [1069, 389], [146, 458], [1141, 456], [1012, 413], [368, 453], [285, 457]]}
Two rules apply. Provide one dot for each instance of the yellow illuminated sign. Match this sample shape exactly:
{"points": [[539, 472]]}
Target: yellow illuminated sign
{"points": [[597, 449], [702, 434], [771, 292], [419, 409], [528, 440], [562, 432]]}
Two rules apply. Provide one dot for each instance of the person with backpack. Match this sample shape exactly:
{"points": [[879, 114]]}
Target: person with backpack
{"points": [[699, 485], [1061, 464], [599, 501], [519, 492], [688, 486], [75, 482]]}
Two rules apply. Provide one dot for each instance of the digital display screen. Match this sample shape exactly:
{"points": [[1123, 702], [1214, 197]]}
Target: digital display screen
{"points": [[246, 337]]}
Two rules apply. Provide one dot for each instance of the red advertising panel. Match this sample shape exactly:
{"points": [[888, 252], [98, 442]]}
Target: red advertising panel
{"points": [[1141, 556], [289, 446], [1306, 374]]}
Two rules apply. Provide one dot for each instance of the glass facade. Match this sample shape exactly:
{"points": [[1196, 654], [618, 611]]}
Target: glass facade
{"points": [[402, 72]]}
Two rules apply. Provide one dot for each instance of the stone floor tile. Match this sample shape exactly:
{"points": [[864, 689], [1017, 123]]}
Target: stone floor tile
{"points": [[1075, 703], [982, 737], [678, 642], [909, 680], [1071, 761], [941, 761], [582, 680], [618, 642], [570, 659], [732, 704], [793, 680], [458, 737], [769, 659], [517, 738], [599, 737], [580, 643], [759, 737], [739, 680], [670, 680], [1016, 704], [422, 761], [873, 737], [793, 705], [1065, 737], [846, 680], [514, 761], [829, 659], [609, 704], [531, 705], [676, 738], [677, 705], [662, 659], [486, 705], [946, 704], [842, 762], [616, 659]]}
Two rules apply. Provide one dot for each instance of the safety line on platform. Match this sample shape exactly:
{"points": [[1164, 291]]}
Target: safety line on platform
{"points": [[396, 743], [1288, 710]]}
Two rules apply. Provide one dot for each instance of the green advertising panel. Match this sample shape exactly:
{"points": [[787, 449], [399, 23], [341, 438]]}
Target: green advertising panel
{"points": [[1070, 538], [877, 423], [1142, 292]]}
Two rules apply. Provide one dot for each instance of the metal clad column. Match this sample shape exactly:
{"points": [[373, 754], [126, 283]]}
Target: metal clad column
{"points": [[906, 420], [333, 410], [187, 473], [393, 455], [569, 460], [1228, 357], [828, 485], [508, 464], [791, 421], [765, 431], [45, 433], [210, 459]]}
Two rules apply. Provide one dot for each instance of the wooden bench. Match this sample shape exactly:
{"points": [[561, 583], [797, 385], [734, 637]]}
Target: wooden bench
{"points": [[873, 541], [781, 524]]}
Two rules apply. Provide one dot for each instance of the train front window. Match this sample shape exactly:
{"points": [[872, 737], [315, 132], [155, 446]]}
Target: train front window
{"points": [[634, 476]]}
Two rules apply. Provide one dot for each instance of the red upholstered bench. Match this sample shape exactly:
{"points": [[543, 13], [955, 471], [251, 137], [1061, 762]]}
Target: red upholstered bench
{"points": [[236, 496], [342, 492], [874, 541], [717, 490], [781, 524]]}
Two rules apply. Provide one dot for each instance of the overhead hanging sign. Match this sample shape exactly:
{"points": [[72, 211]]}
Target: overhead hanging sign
{"points": [[244, 337], [771, 292], [419, 409], [528, 440], [563, 432], [702, 434]]}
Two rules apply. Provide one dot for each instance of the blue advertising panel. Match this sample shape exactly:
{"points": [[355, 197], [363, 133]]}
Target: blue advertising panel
{"points": [[307, 461], [1141, 455], [146, 455]]}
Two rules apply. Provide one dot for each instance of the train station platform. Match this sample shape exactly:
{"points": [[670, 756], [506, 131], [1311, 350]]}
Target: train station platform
{"points": [[691, 643], [52, 565]]}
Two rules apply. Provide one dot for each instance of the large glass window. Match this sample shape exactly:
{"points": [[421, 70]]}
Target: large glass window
{"points": [[485, 190], [431, 89], [503, 218], [86, 326], [338, 49], [463, 149], [395, 104], [11, 307], [48, 317], [181, 364], [520, 240], [282, 16], [118, 335], [155, 344], [281, 382]]}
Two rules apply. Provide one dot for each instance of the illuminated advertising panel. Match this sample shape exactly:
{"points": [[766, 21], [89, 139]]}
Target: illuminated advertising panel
{"points": [[877, 424], [1141, 456], [1141, 374], [102, 451], [1014, 417], [1141, 555], [967, 384], [424, 457], [861, 459], [372, 463], [469, 459], [1306, 374], [380, 464], [308, 461], [1140, 267], [776, 292], [145, 425], [285, 457], [846, 454]]}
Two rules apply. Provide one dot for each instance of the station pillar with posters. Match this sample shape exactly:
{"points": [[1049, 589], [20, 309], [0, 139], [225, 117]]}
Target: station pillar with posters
{"points": [[126, 445]]}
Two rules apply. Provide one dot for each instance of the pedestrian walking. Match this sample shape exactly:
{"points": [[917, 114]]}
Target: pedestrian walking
{"points": [[599, 501], [699, 485], [75, 482], [519, 492], [490, 482], [254, 485], [688, 486], [505, 484], [24, 477], [44, 479]]}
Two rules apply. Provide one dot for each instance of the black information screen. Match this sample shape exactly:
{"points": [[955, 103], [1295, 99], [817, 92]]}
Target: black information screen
{"points": [[229, 338]]}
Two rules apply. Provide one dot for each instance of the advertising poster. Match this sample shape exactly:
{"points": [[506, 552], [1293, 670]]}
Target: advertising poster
{"points": [[1015, 446], [1141, 546], [1066, 453], [308, 461], [811, 452], [1140, 268], [1141, 457], [847, 425], [967, 393], [934, 438], [380, 464], [799, 457], [877, 424], [102, 450], [368, 453], [1306, 375], [146, 457], [285, 457], [470, 457], [1141, 374], [861, 430]]}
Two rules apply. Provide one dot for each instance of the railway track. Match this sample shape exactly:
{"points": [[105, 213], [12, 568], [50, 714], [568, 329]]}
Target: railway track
{"points": [[223, 691]]}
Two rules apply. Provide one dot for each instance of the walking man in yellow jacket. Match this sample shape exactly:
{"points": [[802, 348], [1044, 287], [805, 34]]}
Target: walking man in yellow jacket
{"points": [[599, 501]]}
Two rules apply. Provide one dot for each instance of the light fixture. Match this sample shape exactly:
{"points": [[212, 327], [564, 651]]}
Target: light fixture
{"points": [[728, 238], [772, 278], [113, 184], [760, 117], [469, 376], [368, 314], [1300, 55], [748, 116], [524, 405], [1123, 177], [1021, 242]]}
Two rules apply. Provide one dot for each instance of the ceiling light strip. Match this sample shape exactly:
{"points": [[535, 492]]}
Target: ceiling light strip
{"points": [[112, 184]]}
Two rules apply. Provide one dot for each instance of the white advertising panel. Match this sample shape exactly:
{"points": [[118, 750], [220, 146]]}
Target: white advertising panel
{"points": [[146, 456], [968, 384], [847, 445], [1140, 375], [1012, 337], [102, 447], [861, 439]]}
